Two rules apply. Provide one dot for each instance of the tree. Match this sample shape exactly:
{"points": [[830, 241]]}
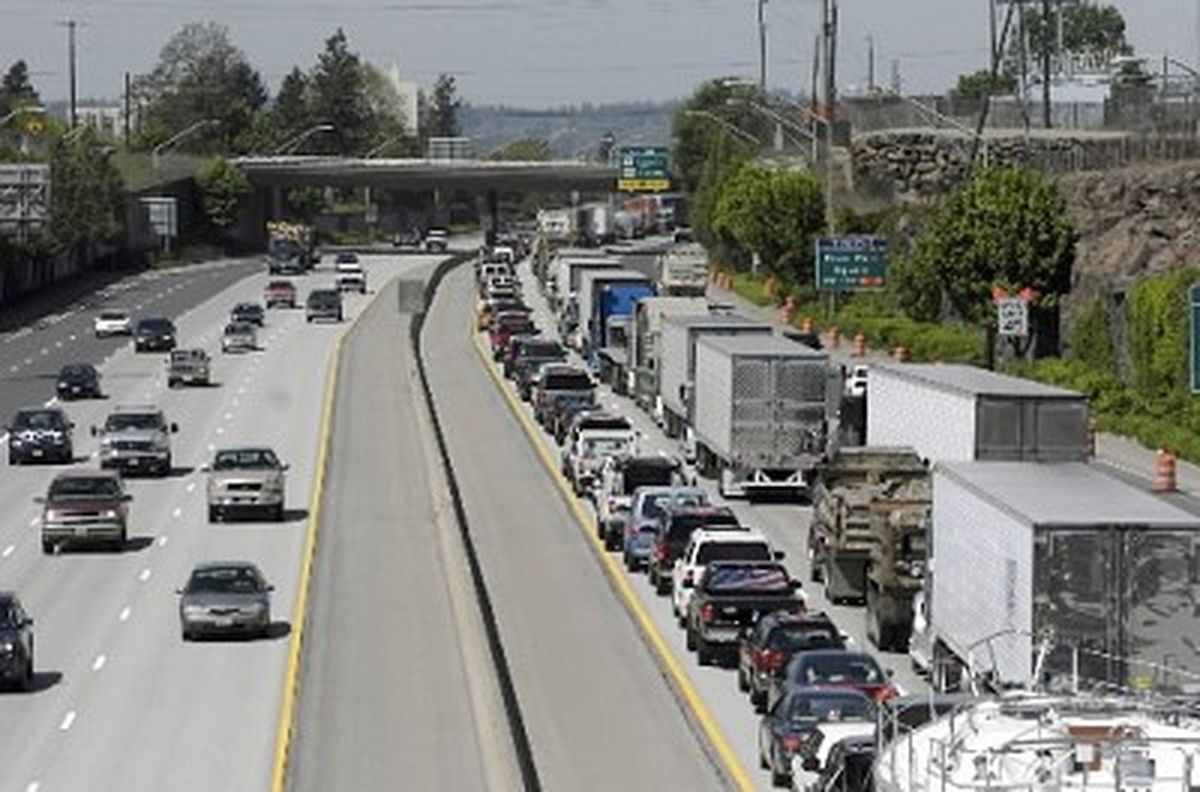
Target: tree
{"points": [[223, 186], [87, 202], [306, 202], [979, 84], [1091, 31], [339, 97], [1007, 227], [524, 150], [708, 115], [775, 214], [200, 76], [443, 108], [290, 114], [16, 90]]}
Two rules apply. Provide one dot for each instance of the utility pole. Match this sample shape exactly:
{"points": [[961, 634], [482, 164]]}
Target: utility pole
{"points": [[128, 106], [1047, 115], [871, 65], [71, 75], [762, 46]]}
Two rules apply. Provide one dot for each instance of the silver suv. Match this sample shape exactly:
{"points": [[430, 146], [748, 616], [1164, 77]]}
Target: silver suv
{"points": [[136, 438], [245, 480]]}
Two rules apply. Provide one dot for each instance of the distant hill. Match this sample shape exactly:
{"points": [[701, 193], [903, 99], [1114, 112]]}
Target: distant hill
{"points": [[570, 131]]}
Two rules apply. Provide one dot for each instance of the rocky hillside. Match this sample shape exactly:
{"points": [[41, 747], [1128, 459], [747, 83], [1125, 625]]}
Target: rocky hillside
{"points": [[1134, 221]]}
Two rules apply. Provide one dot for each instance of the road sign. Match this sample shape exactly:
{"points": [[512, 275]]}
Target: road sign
{"points": [[1012, 317], [24, 199], [1194, 295], [851, 263], [644, 169], [163, 215]]}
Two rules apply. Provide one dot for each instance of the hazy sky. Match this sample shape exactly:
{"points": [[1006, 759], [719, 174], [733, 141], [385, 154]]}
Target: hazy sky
{"points": [[546, 52]]}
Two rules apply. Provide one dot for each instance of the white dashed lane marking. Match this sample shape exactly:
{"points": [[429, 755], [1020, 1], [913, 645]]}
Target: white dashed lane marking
{"points": [[177, 513], [67, 721], [125, 613], [144, 576], [8, 551], [99, 662]]}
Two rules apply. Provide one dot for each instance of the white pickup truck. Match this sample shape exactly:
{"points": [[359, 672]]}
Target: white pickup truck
{"points": [[706, 547], [351, 277]]}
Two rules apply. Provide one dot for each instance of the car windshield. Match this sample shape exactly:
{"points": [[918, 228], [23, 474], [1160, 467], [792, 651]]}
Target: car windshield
{"points": [[567, 382], [648, 476], [114, 316], [186, 355], [733, 551], [237, 329], [604, 446], [85, 487], [541, 349], [801, 639], [155, 326], [654, 506], [281, 286], [247, 308], [39, 419], [224, 580], [683, 525], [840, 668], [10, 614], [122, 421], [246, 459], [826, 708], [74, 372]]}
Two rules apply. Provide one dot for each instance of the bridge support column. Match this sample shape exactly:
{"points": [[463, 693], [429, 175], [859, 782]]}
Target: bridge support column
{"points": [[493, 208], [275, 203]]}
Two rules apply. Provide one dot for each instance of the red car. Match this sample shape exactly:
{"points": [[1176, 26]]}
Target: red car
{"points": [[505, 326], [280, 293]]}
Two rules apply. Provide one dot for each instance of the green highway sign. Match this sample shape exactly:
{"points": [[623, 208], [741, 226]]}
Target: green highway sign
{"points": [[644, 169], [1194, 356], [851, 263]]}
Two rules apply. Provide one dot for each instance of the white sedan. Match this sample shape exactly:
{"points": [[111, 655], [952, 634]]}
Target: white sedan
{"points": [[113, 322]]}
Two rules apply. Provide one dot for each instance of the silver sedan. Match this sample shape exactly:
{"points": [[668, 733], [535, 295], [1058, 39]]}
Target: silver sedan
{"points": [[225, 598]]}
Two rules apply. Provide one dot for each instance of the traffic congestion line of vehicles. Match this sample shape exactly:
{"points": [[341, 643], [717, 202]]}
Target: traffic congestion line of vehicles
{"points": [[988, 474], [86, 506], [729, 591]]}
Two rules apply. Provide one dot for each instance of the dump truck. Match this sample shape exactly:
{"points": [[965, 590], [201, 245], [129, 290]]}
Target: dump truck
{"points": [[676, 360], [758, 413], [868, 534], [958, 413]]}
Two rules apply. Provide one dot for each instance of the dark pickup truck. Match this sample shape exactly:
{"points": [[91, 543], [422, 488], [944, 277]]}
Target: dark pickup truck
{"points": [[675, 531], [561, 381], [733, 595]]}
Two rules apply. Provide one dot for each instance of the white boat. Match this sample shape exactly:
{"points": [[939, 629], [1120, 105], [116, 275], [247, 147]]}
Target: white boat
{"points": [[1044, 743]]}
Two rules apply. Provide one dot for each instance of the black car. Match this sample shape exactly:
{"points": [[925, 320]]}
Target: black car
{"points": [[323, 304], [154, 335], [849, 766], [40, 434], [765, 650], [78, 381], [346, 258], [250, 313], [788, 728], [16, 643]]}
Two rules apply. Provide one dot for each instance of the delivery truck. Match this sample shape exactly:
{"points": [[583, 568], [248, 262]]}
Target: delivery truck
{"points": [[677, 360], [958, 413], [1058, 574], [564, 296], [759, 413]]}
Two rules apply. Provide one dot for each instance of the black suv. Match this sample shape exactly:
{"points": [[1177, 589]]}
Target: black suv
{"points": [[78, 381], [40, 434], [154, 335], [765, 649], [16, 643]]}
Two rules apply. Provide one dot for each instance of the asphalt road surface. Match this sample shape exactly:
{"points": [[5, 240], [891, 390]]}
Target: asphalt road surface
{"points": [[786, 525], [384, 702], [122, 702], [598, 711], [31, 356]]}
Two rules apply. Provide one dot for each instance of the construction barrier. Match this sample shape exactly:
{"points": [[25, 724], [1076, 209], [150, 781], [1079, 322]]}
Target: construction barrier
{"points": [[1164, 472]]}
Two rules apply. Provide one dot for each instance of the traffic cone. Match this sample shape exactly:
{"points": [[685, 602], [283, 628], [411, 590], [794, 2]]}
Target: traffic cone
{"points": [[860, 346], [787, 310], [1164, 472], [770, 286]]}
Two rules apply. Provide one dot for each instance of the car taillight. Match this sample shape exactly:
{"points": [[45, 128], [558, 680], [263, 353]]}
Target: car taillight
{"points": [[767, 660], [885, 693], [708, 612], [792, 743], [660, 552]]}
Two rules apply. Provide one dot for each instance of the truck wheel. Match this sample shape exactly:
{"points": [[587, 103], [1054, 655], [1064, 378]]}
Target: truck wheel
{"points": [[690, 640], [28, 676], [780, 780], [119, 542], [663, 587], [743, 683], [47, 547], [277, 512], [758, 699], [214, 514]]}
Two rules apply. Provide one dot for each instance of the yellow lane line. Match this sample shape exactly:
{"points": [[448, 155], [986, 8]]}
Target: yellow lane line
{"points": [[283, 735], [683, 684]]}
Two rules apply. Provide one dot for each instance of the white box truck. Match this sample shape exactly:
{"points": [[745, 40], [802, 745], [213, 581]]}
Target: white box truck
{"points": [[759, 413], [644, 335], [957, 413], [677, 360], [1060, 573]]}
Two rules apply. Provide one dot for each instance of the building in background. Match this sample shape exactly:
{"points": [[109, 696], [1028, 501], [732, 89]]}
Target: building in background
{"points": [[409, 96]]}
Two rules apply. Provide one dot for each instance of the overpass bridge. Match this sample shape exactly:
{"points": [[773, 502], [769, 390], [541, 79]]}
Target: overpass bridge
{"points": [[471, 175]]}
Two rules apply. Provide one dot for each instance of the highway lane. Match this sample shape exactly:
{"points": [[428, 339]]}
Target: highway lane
{"points": [[597, 709], [123, 702], [31, 357], [786, 525], [384, 699]]}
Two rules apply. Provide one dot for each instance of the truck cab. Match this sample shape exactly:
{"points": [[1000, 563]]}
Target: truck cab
{"points": [[591, 450]]}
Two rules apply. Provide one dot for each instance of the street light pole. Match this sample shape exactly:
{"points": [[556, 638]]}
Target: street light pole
{"points": [[762, 46], [298, 140], [161, 147]]}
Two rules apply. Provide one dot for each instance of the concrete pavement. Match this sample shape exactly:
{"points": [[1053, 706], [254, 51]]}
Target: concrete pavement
{"points": [[597, 709]]}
